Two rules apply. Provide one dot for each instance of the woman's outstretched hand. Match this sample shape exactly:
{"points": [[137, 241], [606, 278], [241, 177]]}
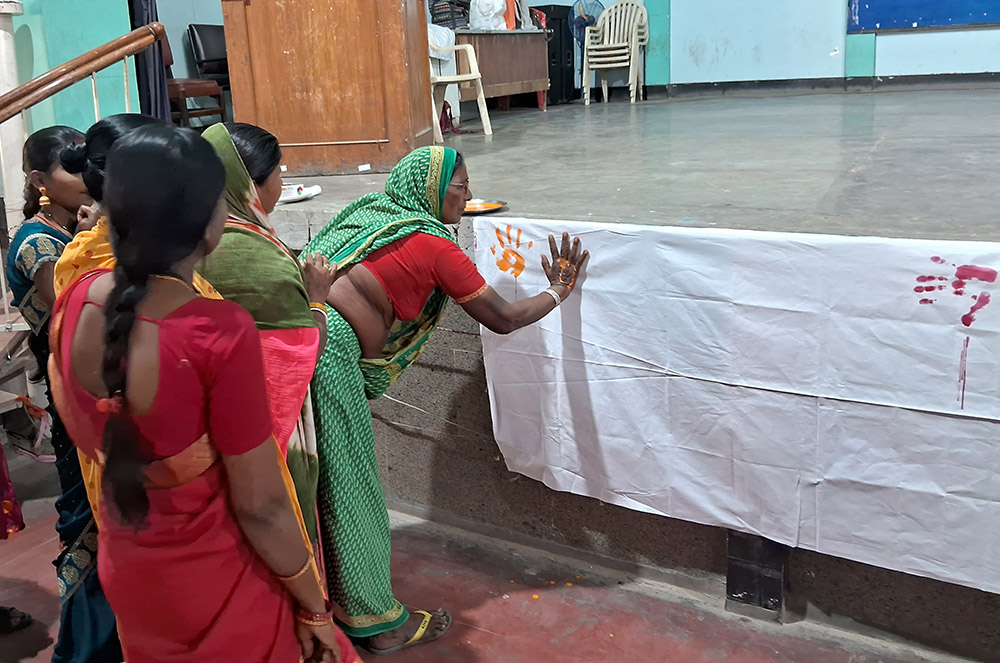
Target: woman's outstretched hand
{"points": [[566, 262], [319, 276]]}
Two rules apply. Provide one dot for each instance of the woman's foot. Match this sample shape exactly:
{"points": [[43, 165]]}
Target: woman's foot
{"points": [[13, 620], [421, 627]]}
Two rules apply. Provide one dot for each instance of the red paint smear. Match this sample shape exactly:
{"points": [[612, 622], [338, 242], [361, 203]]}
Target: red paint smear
{"points": [[925, 279], [938, 259], [981, 301], [969, 272], [926, 301], [963, 365], [942, 278]]}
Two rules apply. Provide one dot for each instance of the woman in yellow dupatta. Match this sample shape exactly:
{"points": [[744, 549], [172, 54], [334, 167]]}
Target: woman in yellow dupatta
{"points": [[91, 247]]}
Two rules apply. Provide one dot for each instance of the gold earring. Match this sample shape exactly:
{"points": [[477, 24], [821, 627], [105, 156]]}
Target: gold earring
{"points": [[44, 200]]}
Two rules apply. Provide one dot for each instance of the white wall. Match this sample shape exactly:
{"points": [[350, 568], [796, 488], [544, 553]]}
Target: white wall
{"points": [[730, 40], [945, 52]]}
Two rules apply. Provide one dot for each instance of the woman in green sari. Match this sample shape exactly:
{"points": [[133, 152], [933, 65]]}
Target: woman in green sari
{"points": [[398, 264], [255, 269]]}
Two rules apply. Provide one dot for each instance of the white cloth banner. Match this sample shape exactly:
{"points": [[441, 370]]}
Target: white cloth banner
{"points": [[839, 394]]}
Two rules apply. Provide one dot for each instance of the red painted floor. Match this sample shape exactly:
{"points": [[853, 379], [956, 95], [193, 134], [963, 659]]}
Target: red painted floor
{"points": [[508, 608], [512, 609]]}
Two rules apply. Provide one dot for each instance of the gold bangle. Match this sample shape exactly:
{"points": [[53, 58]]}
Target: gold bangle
{"points": [[302, 571], [317, 305], [315, 618]]}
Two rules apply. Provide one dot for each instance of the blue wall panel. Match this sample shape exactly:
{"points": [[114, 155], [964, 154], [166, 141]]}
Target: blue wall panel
{"points": [[910, 14]]}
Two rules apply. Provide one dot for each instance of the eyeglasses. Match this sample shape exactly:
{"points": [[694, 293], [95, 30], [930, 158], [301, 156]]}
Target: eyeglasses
{"points": [[461, 186]]}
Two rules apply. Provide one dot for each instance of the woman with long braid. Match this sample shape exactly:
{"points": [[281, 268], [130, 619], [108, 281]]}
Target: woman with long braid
{"points": [[201, 549]]}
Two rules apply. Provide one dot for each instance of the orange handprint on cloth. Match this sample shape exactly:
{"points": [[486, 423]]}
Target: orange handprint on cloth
{"points": [[510, 258]]}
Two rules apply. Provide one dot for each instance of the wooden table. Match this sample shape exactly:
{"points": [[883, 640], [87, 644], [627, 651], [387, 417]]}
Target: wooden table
{"points": [[510, 61]]}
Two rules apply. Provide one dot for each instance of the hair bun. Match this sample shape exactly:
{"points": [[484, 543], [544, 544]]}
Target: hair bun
{"points": [[74, 157]]}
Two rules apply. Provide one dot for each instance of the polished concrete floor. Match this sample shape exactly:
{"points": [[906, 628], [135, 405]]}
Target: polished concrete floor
{"points": [[914, 163]]}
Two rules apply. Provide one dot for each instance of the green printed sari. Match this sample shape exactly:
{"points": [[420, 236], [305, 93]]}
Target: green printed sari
{"points": [[353, 517], [255, 269]]}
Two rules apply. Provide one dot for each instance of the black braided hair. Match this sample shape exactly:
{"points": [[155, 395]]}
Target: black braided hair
{"points": [[41, 152], [163, 186], [90, 156], [258, 149]]}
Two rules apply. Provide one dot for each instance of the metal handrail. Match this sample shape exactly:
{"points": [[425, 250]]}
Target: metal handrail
{"points": [[44, 86], [55, 80]]}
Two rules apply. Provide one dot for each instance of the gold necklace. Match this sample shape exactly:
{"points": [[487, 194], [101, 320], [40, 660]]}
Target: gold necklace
{"points": [[46, 218], [176, 279]]}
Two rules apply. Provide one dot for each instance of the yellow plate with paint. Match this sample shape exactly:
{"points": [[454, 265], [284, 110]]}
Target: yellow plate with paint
{"points": [[481, 206]]}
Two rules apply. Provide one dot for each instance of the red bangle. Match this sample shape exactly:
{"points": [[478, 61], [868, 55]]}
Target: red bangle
{"points": [[315, 618]]}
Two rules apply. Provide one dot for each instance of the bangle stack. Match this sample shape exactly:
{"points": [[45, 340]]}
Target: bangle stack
{"points": [[303, 616], [555, 296], [319, 307]]}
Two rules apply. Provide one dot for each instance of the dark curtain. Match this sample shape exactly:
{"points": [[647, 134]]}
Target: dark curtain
{"points": [[151, 73]]}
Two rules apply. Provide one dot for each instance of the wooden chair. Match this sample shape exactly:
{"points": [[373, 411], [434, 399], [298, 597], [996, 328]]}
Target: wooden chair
{"points": [[440, 83], [179, 90], [616, 42]]}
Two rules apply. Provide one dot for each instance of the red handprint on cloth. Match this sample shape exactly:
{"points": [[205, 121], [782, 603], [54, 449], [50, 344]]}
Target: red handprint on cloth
{"points": [[928, 284], [959, 282]]}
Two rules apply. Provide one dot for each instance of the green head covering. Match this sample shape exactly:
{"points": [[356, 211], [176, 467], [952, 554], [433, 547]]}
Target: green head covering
{"points": [[411, 202], [241, 192], [251, 265], [419, 181]]}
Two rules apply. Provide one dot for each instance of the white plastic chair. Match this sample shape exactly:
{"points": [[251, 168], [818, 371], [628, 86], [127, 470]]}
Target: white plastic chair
{"points": [[616, 42], [440, 83]]}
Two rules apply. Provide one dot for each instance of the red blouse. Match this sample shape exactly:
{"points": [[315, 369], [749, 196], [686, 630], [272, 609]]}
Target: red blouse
{"points": [[191, 560], [410, 268], [211, 381]]}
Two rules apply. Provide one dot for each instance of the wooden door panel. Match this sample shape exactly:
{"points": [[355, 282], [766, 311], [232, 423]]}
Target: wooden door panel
{"points": [[341, 83], [310, 57], [415, 29]]}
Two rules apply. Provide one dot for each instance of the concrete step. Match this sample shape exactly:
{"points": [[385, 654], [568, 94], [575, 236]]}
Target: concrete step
{"points": [[296, 223]]}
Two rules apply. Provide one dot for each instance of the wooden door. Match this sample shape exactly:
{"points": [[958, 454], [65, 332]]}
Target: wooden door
{"points": [[341, 83]]}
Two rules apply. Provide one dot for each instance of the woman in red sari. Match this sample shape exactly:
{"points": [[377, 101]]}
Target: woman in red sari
{"points": [[201, 550]]}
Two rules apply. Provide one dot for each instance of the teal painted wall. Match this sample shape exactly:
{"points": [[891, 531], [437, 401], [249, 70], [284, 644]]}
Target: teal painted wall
{"points": [[658, 50], [52, 32], [859, 56]]}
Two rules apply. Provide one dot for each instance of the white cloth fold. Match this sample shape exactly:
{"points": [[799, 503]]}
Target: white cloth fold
{"points": [[438, 35]]}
